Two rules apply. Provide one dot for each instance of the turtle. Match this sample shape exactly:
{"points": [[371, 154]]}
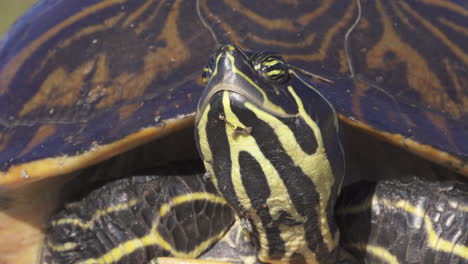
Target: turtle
{"points": [[270, 144], [66, 102]]}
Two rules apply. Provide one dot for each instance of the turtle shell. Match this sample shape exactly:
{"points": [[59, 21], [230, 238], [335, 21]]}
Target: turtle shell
{"points": [[82, 81], [92, 79]]}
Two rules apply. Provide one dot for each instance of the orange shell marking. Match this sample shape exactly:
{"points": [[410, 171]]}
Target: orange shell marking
{"points": [[55, 166]]}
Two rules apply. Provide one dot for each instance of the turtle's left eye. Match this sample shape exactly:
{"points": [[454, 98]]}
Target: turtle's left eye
{"points": [[273, 68], [208, 70], [206, 74]]}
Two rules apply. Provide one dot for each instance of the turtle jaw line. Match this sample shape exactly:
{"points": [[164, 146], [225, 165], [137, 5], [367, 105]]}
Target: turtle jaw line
{"points": [[212, 90]]}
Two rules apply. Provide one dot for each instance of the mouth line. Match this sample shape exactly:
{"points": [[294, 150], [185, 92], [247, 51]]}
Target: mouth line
{"points": [[210, 92]]}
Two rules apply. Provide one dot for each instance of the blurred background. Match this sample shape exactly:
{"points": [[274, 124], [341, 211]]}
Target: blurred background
{"points": [[10, 10]]}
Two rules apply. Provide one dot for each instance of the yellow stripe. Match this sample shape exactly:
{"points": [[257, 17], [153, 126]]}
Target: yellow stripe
{"points": [[62, 247], [356, 209], [335, 116], [270, 63], [379, 252], [275, 72], [215, 71], [235, 169], [205, 147], [294, 236], [458, 206], [434, 240], [155, 238], [317, 167], [98, 213], [195, 196], [96, 216]]}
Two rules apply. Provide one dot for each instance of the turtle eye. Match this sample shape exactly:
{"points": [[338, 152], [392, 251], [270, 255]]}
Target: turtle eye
{"points": [[206, 75], [208, 70], [273, 68]]}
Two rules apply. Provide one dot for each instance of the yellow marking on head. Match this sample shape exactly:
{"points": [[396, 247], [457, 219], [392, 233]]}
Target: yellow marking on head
{"points": [[275, 72], [98, 214], [379, 252], [433, 239], [293, 236], [230, 47], [155, 238], [204, 145], [215, 71], [270, 62]]}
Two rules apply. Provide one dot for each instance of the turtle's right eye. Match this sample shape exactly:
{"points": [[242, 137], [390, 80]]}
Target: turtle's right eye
{"points": [[272, 67]]}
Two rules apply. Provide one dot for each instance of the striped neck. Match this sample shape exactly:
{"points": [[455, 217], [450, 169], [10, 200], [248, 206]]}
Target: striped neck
{"points": [[275, 173], [271, 144]]}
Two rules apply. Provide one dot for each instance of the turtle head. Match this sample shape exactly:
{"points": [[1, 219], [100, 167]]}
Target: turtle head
{"points": [[271, 144]]}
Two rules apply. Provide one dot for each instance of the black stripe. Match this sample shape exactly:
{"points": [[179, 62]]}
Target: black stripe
{"points": [[256, 187], [187, 225], [304, 135], [323, 114], [220, 150], [300, 187]]}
